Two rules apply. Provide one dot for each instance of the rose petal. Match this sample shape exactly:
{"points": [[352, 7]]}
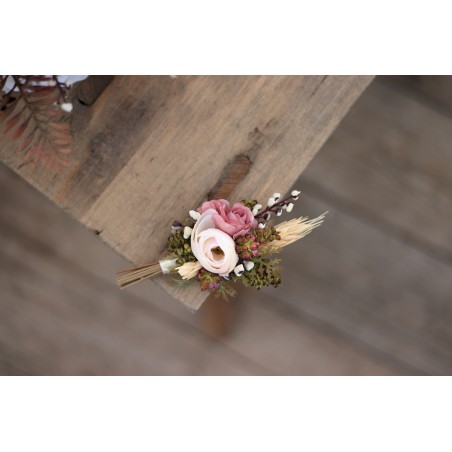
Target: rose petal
{"points": [[223, 225], [205, 241]]}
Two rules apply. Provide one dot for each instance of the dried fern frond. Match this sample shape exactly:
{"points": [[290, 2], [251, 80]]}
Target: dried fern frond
{"points": [[31, 109], [293, 230]]}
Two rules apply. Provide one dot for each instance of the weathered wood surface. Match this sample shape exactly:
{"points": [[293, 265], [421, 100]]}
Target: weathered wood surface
{"points": [[395, 158], [357, 297], [433, 90], [151, 148], [389, 166], [61, 313], [89, 91]]}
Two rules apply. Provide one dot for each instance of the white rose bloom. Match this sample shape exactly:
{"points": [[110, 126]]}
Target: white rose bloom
{"points": [[214, 249]]}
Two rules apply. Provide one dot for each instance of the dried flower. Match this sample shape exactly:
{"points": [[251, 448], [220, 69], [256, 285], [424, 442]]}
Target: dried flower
{"points": [[239, 270], [247, 246], [213, 248], [228, 244], [293, 230], [67, 107], [235, 221], [187, 232], [208, 280], [189, 270], [180, 248], [195, 215]]}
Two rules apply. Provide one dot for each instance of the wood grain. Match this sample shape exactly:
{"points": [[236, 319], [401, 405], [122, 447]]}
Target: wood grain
{"points": [[383, 293], [434, 91], [152, 148], [90, 89], [358, 296], [393, 169], [62, 314]]}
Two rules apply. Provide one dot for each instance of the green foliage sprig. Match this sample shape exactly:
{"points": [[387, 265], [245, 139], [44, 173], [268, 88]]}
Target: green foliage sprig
{"points": [[266, 272], [180, 248]]}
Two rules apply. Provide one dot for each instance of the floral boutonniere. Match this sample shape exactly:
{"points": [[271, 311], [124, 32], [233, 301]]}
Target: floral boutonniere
{"points": [[221, 244]]}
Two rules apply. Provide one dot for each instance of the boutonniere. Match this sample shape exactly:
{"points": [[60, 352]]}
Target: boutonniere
{"points": [[221, 244]]}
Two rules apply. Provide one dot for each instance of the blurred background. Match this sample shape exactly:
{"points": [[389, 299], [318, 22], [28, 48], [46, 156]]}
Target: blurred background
{"points": [[368, 293]]}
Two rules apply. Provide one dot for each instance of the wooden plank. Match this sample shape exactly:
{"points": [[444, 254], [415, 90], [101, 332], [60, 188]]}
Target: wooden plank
{"points": [[385, 295], [89, 90], [357, 281], [151, 148], [273, 334], [57, 321], [56, 283], [434, 91], [390, 164]]}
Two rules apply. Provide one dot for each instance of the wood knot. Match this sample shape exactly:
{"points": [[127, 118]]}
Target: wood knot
{"points": [[234, 173]]}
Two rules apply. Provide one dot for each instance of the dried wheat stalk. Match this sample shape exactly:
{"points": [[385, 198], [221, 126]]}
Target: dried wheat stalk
{"points": [[293, 230]]}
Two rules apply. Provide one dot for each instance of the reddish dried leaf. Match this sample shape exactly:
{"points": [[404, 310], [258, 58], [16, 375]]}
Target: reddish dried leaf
{"points": [[12, 122], [60, 126], [26, 143], [49, 143], [65, 150], [43, 91], [21, 129], [8, 110]]}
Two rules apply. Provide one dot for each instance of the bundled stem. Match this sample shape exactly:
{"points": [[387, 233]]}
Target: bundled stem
{"points": [[131, 276]]}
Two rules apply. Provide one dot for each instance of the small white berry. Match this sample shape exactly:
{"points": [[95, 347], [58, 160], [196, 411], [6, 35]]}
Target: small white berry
{"points": [[239, 270], [195, 215], [248, 265], [258, 206], [290, 207], [68, 84], [276, 196], [52, 83], [261, 225], [67, 107], [295, 192], [255, 211], [187, 232], [271, 202], [278, 214]]}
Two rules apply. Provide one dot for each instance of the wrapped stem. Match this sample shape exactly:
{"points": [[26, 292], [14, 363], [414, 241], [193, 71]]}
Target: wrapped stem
{"points": [[134, 275]]}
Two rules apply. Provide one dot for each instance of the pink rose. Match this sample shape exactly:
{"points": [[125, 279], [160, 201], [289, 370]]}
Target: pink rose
{"points": [[214, 249], [235, 221]]}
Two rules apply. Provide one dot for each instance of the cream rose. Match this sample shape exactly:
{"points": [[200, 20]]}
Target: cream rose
{"points": [[214, 249]]}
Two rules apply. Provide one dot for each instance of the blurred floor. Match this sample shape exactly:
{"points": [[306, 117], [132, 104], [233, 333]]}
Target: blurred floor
{"points": [[369, 293]]}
